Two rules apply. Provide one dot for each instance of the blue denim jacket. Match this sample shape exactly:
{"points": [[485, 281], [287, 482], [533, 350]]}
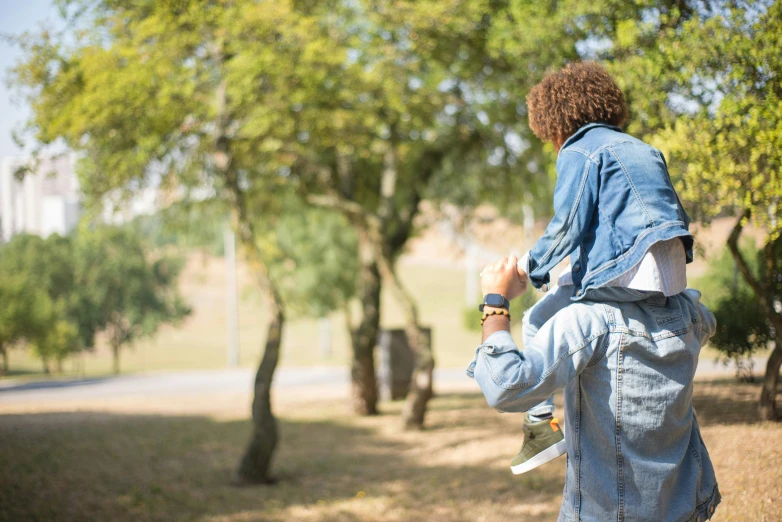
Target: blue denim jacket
{"points": [[634, 450], [612, 201]]}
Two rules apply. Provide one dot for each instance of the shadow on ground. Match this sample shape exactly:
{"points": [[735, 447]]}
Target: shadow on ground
{"points": [[332, 466], [727, 402], [53, 384], [102, 466]]}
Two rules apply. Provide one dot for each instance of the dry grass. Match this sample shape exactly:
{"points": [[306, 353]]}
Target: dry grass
{"points": [[201, 341], [432, 268], [128, 463]]}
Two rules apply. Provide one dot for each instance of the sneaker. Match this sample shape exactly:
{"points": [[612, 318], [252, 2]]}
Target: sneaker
{"points": [[543, 441]]}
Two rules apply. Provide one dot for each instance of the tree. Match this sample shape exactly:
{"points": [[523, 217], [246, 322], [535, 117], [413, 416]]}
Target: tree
{"points": [[421, 102], [130, 295], [22, 306], [56, 323], [742, 327], [54, 337], [703, 89], [363, 107], [154, 94], [723, 133]]}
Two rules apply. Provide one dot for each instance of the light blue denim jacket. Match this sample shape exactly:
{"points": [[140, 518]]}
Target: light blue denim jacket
{"points": [[612, 201], [634, 450]]}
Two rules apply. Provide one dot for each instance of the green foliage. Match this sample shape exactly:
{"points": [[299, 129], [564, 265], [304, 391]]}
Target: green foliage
{"points": [[316, 98], [23, 308], [185, 225], [308, 87], [130, 295], [57, 293], [44, 305], [317, 270], [703, 83], [56, 337], [742, 328], [316, 94]]}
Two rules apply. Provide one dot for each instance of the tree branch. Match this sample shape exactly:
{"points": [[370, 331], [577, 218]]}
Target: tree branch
{"points": [[758, 287], [334, 201], [388, 179], [738, 257]]}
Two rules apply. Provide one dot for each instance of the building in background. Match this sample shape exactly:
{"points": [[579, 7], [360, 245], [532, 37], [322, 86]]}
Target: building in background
{"points": [[45, 202]]}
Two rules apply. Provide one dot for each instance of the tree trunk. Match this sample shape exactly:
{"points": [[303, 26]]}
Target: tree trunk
{"points": [[256, 463], [414, 410], [115, 357], [768, 394], [420, 392], [4, 353], [364, 339]]}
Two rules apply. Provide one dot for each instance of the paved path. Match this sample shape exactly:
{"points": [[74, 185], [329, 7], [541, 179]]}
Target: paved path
{"points": [[168, 384], [193, 383]]}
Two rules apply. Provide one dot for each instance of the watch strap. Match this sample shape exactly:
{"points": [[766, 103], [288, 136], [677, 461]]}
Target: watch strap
{"points": [[504, 303]]}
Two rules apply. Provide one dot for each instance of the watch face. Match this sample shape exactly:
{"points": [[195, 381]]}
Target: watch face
{"points": [[494, 300]]}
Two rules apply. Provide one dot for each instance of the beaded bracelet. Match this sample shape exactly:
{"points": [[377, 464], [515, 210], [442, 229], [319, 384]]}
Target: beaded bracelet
{"points": [[500, 311]]}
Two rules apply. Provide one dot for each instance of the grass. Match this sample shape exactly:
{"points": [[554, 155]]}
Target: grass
{"points": [[149, 461], [200, 342]]}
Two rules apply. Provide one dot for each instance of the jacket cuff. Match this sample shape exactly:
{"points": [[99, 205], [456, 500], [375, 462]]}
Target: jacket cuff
{"points": [[498, 342], [528, 264]]}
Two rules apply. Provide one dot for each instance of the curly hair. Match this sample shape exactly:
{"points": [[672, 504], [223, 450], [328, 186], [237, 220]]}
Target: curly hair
{"points": [[580, 93]]}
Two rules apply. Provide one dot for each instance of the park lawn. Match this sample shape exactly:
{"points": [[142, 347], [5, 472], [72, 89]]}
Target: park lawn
{"points": [[200, 342], [142, 462]]}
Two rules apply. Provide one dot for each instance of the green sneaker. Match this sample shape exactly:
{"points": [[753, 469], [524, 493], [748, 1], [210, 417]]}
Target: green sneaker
{"points": [[543, 441]]}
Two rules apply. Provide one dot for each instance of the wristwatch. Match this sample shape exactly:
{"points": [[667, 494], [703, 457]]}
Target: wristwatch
{"points": [[495, 300]]}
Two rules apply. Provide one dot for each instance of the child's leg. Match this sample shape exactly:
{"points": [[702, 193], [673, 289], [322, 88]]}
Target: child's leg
{"points": [[551, 303], [554, 301], [544, 410]]}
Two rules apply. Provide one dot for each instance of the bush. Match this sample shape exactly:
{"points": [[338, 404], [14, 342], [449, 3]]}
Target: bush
{"points": [[741, 326]]}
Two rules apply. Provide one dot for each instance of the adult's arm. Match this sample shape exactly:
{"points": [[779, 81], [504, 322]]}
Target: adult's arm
{"points": [[514, 381]]}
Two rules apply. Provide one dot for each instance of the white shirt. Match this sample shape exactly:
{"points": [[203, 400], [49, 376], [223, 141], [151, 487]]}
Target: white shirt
{"points": [[662, 269]]}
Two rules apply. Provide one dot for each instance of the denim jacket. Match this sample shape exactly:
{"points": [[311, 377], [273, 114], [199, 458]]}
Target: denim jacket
{"points": [[634, 449], [612, 201]]}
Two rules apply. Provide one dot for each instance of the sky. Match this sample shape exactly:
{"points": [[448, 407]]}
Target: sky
{"points": [[17, 16]]}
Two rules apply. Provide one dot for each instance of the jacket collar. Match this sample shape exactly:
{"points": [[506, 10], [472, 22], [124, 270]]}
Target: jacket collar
{"points": [[584, 129]]}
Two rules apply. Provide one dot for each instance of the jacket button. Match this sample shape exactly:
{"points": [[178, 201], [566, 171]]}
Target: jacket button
{"points": [[576, 267], [544, 287]]}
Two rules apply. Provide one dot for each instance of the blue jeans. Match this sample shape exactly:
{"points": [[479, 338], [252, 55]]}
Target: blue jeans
{"points": [[534, 318]]}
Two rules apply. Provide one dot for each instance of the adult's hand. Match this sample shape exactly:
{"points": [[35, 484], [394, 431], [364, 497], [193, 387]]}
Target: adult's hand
{"points": [[502, 277]]}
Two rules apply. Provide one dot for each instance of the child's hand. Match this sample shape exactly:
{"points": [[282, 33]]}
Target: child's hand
{"points": [[503, 277], [523, 277]]}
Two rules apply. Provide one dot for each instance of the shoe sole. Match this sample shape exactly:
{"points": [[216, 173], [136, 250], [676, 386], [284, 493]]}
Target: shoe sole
{"points": [[547, 455]]}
